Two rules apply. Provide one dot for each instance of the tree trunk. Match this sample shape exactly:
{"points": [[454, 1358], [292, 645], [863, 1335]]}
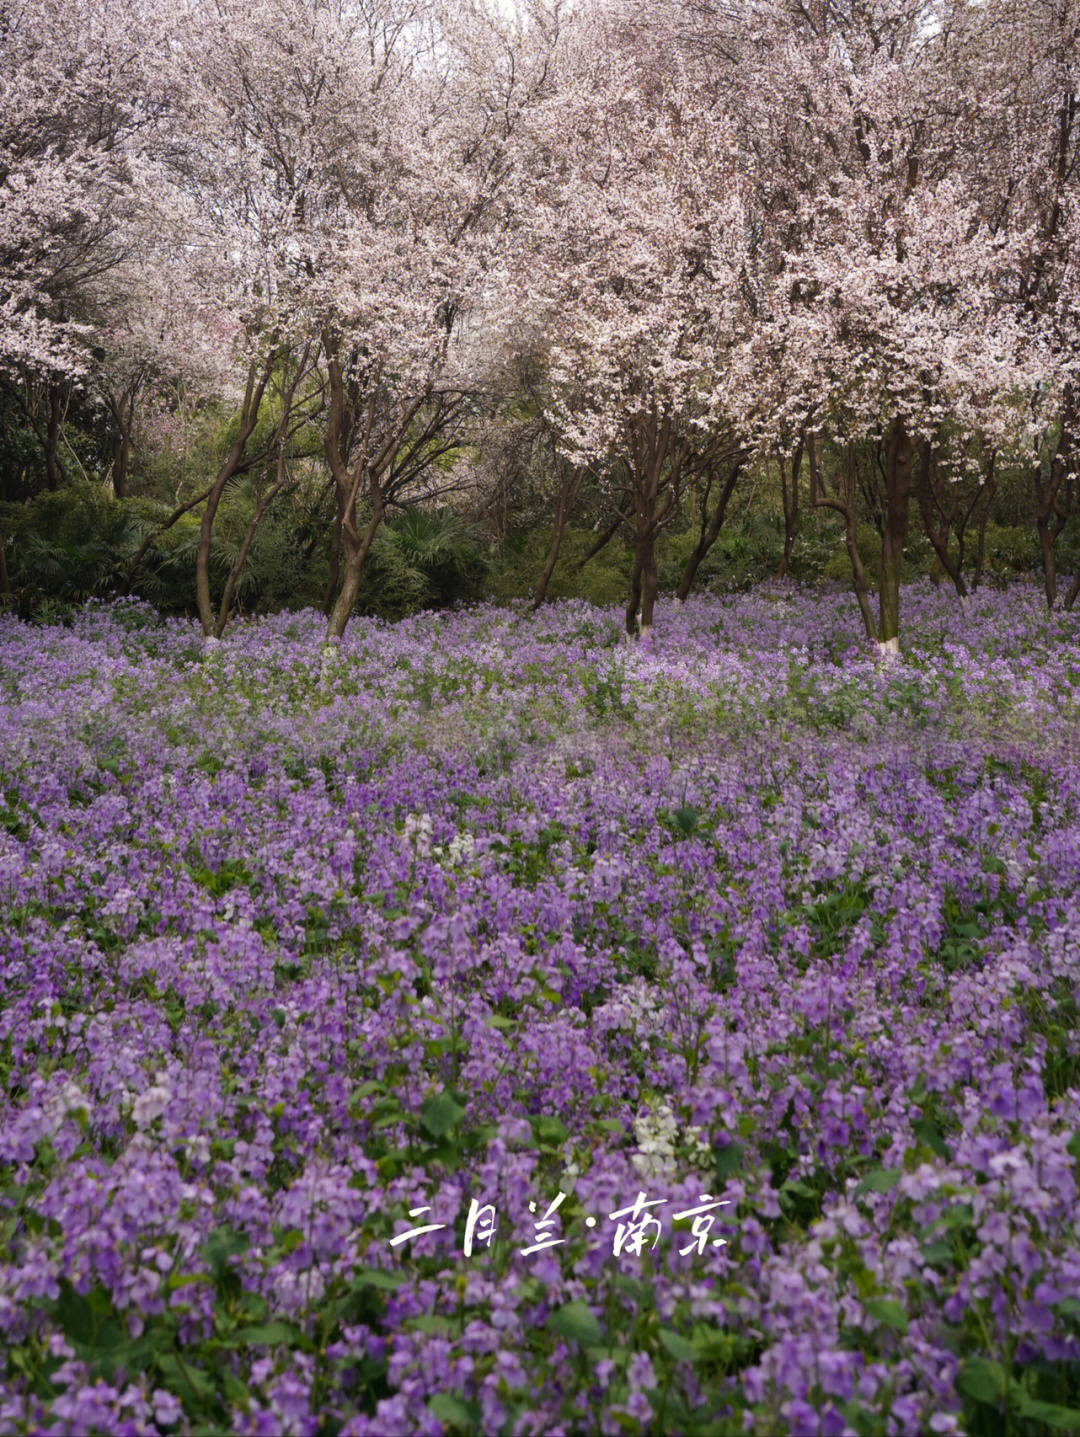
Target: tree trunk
{"points": [[5, 581], [54, 472], [635, 592], [357, 548], [264, 499], [791, 507], [568, 492], [710, 534], [648, 584], [249, 417], [607, 535], [123, 414], [845, 507], [1050, 519], [897, 503], [989, 489], [335, 559], [939, 538], [374, 461]]}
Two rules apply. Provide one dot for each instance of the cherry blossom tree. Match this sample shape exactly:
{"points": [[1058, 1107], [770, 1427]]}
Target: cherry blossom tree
{"points": [[630, 261], [884, 288]]}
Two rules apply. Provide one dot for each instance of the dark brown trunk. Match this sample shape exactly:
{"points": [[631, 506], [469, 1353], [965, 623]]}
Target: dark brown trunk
{"points": [[568, 492], [791, 506], [54, 471], [989, 489], [607, 535], [5, 582], [249, 417], [264, 498], [845, 507], [357, 548], [648, 584], [335, 558], [898, 482], [635, 592], [121, 450], [1050, 516], [123, 414], [710, 534], [929, 499], [373, 463]]}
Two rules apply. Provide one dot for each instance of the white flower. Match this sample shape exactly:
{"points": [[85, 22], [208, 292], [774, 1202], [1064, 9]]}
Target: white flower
{"points": [[152, 1103]]}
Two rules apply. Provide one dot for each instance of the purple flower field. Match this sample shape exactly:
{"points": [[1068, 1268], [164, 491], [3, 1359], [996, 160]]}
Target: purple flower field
{"points": [[477, 910]]}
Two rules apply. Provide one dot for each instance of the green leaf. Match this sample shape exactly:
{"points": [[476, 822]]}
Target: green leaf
{"points": [[433, 1323], [937, 1252], [266, 1334], [928, 1132], [576, 1323], [1062, 1419], [678, 1346], [982, 1380], [728, 1160], [888, 1312], [549, 1130], [440, 1114], [685, 819], [184, 1379], [375, 1277], [450, 1411], [879, 1180]]}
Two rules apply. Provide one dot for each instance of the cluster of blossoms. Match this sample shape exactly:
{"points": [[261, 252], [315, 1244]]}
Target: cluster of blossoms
{"points": [[292, 965]]}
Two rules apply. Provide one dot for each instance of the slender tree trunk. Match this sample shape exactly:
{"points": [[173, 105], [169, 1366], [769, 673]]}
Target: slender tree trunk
{"points": [[121, 450], [123, 414], [1050, 518], [373, 463], [649, 584], [54, 472], [898, 478], [335, 559], [155, 533], [708, 535], [607, 534], [990, 489], [5, 581], [939, 538], [635, 591], [568, 492], [791, 507], [264, 499], [845, 507], [249, 417], [357, 547]]}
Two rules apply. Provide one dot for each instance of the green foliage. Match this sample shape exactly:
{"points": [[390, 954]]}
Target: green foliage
{"points": [[422, 559]]}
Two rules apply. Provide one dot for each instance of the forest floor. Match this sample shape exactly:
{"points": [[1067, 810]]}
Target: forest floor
{"points": [[713, 1002]]}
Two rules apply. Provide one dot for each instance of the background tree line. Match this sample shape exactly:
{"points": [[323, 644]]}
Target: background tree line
{"points": [[391, 304]]}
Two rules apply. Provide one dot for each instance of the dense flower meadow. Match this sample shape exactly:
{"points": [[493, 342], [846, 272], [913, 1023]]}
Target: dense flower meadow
{"points": [[506, 929]]}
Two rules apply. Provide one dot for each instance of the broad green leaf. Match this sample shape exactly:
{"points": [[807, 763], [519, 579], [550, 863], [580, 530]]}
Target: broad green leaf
{"points": [[267, 1334], [879, 1180], [440, 1114], [982, 1380], [450, 1411], [728, 1160], [678, 1346], [1050, 1414], [888, 1312], [576, 1322]]}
